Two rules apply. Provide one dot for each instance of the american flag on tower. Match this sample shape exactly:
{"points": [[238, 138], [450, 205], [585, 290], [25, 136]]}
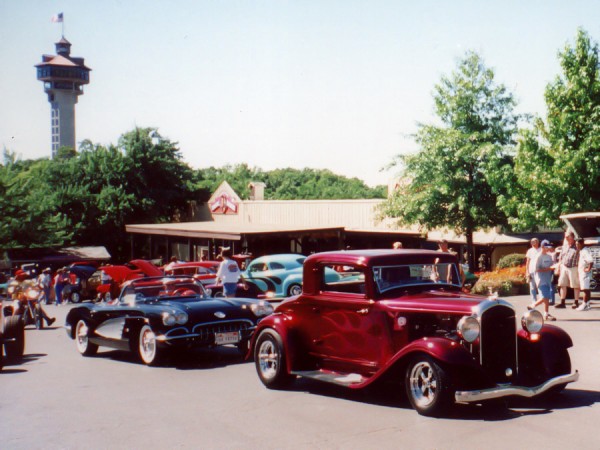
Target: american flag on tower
{"points": [[57, 18]]}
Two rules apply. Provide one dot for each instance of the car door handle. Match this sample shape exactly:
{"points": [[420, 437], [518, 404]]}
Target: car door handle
{"points": [[363, 311], [316, 310]]}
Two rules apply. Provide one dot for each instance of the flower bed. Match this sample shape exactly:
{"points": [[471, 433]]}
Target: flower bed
{"points": [[509, 281]]}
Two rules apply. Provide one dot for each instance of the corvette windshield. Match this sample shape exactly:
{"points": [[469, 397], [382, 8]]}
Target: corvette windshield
{"points": [[393, 277], [161, 288]]}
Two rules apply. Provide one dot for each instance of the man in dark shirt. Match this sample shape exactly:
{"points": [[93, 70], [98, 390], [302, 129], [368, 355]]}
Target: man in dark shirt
{"points": [[569, 274]]}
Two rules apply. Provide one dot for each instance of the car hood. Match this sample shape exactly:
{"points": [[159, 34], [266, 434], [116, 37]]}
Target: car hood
{"points": [[209, 309], [586, 226], [436, 301]]}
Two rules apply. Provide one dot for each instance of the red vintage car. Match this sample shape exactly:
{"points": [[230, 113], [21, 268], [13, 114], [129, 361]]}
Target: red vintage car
{"points": [[203, 271], [119, 274], [402, 313]]}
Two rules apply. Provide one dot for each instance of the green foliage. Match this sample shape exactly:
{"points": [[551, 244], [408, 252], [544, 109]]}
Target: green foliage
{"points": [[512, 260], [87, 198], [448, 179], [557, 164], [289, 184]]}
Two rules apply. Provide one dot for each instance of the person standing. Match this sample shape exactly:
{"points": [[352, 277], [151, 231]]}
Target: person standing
{"points": [[530, 258], [586, 262], [569, 274], [397, 245], [228, 273], [43, 281], [544, 271], [59, 284]]}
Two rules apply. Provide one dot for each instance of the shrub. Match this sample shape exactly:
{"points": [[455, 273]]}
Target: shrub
{"points": [[512, 260], [502, 281]]}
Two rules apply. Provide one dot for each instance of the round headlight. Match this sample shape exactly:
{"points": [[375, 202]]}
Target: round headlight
{"points": [[261, 308], [11, 289], [181, 318], [168, 319], [468, 328], [532, 321], [32, 294]]}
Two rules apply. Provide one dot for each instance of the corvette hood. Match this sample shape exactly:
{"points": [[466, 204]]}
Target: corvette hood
{"points": [[210, 310]]}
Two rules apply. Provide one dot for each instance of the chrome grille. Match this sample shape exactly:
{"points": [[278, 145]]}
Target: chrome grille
{"points": [[207, 331], [498, 342]]}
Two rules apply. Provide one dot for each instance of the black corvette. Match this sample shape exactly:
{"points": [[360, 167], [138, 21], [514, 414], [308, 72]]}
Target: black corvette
{"points": [[153, 315]]}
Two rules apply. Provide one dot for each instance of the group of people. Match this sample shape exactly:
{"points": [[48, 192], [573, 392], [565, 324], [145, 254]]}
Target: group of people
{"points": [[571, 267]]}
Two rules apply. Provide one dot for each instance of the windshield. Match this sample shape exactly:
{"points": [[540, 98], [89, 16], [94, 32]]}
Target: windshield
{"points": [[394, 277], [159, 288]]}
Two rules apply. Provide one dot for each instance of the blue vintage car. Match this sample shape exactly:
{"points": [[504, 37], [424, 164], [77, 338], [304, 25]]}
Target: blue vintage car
{"points": [[280, 275]]}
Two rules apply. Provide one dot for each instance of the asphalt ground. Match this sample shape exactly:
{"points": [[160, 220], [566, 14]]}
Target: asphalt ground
{"points": [[57, 399]]}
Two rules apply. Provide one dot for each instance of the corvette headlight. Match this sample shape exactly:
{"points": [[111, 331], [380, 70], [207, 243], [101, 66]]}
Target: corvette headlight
{"points": [[262, 308], [169, 319], [181, 318], [468, 328], [532, 321], [32, 294]]}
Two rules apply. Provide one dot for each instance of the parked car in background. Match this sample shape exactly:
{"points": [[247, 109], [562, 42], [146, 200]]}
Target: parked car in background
{"points": [[281, 275], [79, 286], [586, 225], [119, 274], [203, 271], [404, 317], [156, 314]]}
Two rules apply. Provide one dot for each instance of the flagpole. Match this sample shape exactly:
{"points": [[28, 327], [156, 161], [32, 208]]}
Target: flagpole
{"points": [[63, 25]]}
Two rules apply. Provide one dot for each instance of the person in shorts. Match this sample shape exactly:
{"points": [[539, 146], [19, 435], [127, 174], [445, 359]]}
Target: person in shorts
{"points": [[586, 262], [569, 273], [544, 271]]}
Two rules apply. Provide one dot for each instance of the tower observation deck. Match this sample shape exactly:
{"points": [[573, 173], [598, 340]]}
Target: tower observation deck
{"points": [[63, 77]]}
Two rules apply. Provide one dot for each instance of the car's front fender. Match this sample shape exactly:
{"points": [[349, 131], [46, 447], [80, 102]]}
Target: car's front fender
{"points": [[276, 322]]}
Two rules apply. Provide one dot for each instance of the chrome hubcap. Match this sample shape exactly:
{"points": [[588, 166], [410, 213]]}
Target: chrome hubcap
{"points": [[423, 384], [82, 336], [268, 358], [147, 344]]}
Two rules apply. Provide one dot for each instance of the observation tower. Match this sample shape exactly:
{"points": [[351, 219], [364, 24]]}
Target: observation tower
{"points": [[63, 77]]}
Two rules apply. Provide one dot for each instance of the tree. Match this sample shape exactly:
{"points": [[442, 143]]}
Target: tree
{"points": [[557, 164], [446, 181]]}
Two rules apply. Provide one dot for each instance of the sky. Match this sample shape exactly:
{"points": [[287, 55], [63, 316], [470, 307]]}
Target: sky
{"points": [[324, 84]]}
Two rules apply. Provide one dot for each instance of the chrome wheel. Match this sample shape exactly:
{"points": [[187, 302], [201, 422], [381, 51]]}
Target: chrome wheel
{"points": [[268, 360], [294, 289], [423, 384], [147, 345], [84, 346], [428, 386]]}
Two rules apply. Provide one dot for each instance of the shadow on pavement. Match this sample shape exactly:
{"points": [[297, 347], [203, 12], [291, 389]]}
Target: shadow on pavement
{"points": [[194, 359], [496, 410]]}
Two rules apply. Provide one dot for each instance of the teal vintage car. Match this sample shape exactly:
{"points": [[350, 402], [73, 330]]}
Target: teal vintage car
{"points": [[280, 275]]}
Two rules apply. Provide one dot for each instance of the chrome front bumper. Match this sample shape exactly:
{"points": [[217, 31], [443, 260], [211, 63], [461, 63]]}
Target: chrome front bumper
{"points": [[508, 390]]}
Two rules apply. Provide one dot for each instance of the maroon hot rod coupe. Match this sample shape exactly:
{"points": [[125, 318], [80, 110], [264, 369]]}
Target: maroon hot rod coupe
{"points": [[402, 314]]}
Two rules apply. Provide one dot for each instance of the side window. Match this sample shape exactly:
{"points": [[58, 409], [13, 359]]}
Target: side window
{"points": [[277, 266], [346, 279]]}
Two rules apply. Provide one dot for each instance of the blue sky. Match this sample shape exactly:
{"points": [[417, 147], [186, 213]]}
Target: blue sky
{"points": [[313, 83]]}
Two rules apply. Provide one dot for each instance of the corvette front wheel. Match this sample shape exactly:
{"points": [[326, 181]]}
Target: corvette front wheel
{"points": [[82, 341], [147, 348]]}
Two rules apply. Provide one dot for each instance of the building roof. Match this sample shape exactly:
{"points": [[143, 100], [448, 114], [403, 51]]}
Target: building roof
{"points": [[218, 230]]}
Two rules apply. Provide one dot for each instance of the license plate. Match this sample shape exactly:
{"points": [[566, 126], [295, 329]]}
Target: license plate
{"points": [[227, 338]]}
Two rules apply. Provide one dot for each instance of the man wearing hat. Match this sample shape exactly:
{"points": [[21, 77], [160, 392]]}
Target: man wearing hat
{"points": [[43, 281], [544, 271]]}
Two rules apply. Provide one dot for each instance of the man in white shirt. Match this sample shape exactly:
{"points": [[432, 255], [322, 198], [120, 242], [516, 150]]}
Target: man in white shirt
{"points": [[229, 274]]}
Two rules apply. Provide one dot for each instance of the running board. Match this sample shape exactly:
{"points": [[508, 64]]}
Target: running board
{"points": [[339, 378]]}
